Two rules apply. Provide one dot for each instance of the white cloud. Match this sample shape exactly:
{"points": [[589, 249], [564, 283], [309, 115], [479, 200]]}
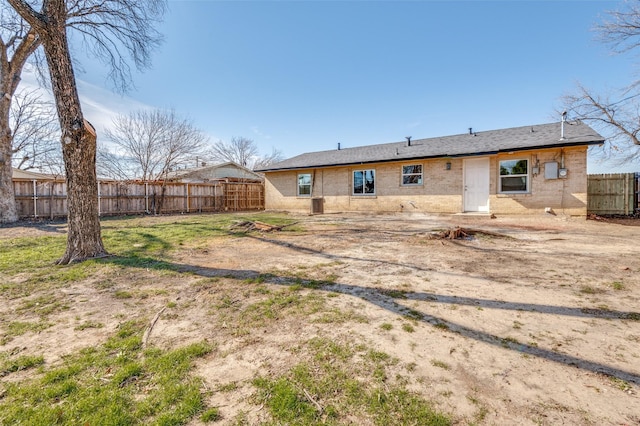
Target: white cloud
{"points": [[99, 106]]}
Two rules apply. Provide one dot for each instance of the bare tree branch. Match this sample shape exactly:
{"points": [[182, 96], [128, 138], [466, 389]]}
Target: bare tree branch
{"points": [[618, 119], [621, 30], [149, 144], [242, 151], [116, 31], [266, 160], [36, 135], [617, 114]]}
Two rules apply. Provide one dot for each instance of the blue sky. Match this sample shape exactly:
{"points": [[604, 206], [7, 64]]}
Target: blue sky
{"points": [[302, 76]]}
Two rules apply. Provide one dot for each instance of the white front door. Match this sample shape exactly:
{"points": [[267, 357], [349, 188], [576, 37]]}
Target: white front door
{"points": [[476, 185]]}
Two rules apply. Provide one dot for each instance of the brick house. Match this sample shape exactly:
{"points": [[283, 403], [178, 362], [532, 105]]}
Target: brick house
{"points": [[522, 170]]}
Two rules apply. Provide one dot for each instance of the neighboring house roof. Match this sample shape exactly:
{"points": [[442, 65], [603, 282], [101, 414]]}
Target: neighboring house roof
{"points": [[19, 174], [468, 144], [214, 171]]}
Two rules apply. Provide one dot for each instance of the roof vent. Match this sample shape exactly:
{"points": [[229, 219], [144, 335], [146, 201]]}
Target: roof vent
{"points": [[564, 118], [338, 146], [408, 138], [470, 130]]}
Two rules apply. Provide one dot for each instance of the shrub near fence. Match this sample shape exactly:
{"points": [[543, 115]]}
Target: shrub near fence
{"points": [[48, 198]]}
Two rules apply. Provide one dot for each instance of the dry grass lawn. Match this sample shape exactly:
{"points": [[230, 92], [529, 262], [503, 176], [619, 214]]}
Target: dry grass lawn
{"points": [[536, 320]]}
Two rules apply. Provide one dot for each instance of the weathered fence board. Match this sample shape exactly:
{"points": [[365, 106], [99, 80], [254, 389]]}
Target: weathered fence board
{"points": [[48, 199], [610, 194]]}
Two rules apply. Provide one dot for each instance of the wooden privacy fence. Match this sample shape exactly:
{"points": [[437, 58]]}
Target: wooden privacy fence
{"points": [[48, 198], [613, 194]]}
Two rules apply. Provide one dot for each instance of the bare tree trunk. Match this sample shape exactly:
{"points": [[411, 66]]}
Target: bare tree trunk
{"points": [[79, 152], [8, 212], [84, 238], [78, 137], [10, 68]]}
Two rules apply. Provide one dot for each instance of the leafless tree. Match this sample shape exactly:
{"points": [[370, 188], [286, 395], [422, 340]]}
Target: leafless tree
{"points": [[617, 114], [114, 30], [242, 151], [17, 43], [621, 31], [113, 165], [148, 145], [266, 160], [35, 134]]}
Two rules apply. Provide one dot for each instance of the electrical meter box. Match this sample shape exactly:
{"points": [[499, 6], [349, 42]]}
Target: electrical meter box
{"points": [[551, 170]]}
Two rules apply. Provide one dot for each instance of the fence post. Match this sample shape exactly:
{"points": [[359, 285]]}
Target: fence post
{"points": [[35, 198], [187, 187], [99, 201], [626, 195], [51, 199], [636, 190]]}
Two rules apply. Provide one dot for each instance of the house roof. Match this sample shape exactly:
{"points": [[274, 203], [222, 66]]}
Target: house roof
{"points": [[19, 174], [489, 142], [182, 173]]}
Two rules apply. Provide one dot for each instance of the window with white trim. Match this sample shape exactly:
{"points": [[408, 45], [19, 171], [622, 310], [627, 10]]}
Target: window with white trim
{"points": [[304, 185], [412, 175], [364, 182], [514, 175]]}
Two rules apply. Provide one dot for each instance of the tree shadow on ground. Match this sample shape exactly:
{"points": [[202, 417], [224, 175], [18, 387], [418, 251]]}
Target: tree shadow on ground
{"points": [[390, 300]]}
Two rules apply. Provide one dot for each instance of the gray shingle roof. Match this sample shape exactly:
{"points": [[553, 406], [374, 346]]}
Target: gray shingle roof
{"points": [[479, 143]]}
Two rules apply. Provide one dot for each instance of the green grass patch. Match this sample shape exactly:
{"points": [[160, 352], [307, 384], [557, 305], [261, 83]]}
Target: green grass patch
{"points": [[23, 362], [27, 265], [43, 305], [408, 327], [617, 285], [29, 254], [634, 316], [441, 326], [210, 415], [281, 303], [508, 341], [587, 289], [394, 294], [228, 387], [18, 328], [88, 324], [122, 294], [115, 383], [440, 364], [340, 316], [413, 314], [339, 383], [620, 384]]}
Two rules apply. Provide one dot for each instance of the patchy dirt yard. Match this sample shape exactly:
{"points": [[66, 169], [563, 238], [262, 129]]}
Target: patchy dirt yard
{"points": [[535, 321]]}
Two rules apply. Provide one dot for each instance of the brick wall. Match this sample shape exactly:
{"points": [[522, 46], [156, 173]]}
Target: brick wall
{"points": [[564, 196], [442, 188]]}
